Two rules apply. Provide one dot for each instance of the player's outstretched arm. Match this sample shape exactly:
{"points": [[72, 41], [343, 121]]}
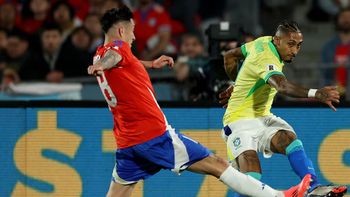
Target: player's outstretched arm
{"points": [[109, 60], [231, 61], [326, 94], [159, 62]]}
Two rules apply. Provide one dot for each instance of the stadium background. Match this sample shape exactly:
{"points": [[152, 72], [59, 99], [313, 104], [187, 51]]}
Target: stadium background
{"points": [[69, 151], [61, 148]]}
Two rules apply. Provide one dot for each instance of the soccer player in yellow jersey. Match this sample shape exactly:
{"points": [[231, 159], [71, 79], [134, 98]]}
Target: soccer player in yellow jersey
{"points": [[249, 125]]}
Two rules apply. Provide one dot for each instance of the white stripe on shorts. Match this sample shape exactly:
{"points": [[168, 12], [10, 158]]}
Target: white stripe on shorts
{"points": [[180, 151]]}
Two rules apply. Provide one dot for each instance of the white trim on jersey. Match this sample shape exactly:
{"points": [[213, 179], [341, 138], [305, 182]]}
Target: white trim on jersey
{"points": [[180, 152], [154, 98]]}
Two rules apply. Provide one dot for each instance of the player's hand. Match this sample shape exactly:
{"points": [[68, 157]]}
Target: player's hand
{"points": [[162, 61], [225, 95], [95, 69], [328, 95]]}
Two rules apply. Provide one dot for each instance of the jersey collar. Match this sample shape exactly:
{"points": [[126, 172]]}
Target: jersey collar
{"points": [[274, 50]]}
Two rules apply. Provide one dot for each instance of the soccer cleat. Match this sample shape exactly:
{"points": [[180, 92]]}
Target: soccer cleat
{"points": [[328, 191], [299, 190]]}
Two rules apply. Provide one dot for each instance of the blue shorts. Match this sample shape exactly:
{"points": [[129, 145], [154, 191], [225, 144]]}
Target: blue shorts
{"points": [[172, 151]]}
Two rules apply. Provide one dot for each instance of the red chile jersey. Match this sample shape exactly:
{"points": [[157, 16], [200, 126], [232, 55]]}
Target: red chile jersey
{"points": [[129, 93]]}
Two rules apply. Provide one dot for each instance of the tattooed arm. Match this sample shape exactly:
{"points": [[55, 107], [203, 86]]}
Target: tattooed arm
{"points": [[328, 94], [109, 60]]}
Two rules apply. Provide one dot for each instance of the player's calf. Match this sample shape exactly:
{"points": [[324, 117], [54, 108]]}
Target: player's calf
{"points": [[212, 165]]}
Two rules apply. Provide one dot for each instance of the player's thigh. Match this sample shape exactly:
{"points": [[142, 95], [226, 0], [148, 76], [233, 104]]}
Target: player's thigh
{"points": [[212, 165], [240, 142], [281, 140], [120, 190], [248, 161]]}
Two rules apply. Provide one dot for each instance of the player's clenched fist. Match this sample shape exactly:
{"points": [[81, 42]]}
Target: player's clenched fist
{"points": [[95, 69]]}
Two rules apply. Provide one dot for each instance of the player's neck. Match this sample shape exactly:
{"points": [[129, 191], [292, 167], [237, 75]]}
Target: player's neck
{"points": [[109, 39]]}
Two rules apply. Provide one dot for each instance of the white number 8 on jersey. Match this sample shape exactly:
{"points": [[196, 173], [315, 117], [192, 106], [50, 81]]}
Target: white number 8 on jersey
{"points": [[106, 90]]}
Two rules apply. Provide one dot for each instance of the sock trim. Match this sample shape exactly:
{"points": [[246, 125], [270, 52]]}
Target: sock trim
{"points": [[294, 146]]}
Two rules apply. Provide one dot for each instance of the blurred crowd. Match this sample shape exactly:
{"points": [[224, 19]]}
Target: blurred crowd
{"points": [[54, 40]]}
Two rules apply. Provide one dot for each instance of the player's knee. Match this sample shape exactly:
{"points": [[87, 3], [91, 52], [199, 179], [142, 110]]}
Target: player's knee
{"points": [[249, 161], [249, 156], [287, 136], [282, 140]]}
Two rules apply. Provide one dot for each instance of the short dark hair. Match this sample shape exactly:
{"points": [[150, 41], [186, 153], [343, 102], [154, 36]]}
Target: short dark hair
{"points": [[51, 27], [83, 29], [287, 27], [341, 11], [192, 35], [114, 16], [18, 34], [64, 3]]}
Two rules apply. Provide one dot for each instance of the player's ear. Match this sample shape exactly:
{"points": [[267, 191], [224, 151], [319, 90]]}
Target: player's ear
{"points": [[120, 31], [276, 40]]}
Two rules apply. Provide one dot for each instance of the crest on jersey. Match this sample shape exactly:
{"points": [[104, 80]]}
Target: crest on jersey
{"points": [[96, 58], [237, 142], [270, 67]]}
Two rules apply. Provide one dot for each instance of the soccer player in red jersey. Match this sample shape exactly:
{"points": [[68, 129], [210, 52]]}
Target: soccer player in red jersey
{"points": [[146, 143]]}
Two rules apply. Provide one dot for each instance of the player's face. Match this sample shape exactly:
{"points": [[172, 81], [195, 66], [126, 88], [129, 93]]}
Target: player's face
{"points": [[288, 45], [129, 35]]}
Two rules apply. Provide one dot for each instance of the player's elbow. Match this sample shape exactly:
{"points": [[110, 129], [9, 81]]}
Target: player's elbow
{"points": [[283, 89], [280, 83]]}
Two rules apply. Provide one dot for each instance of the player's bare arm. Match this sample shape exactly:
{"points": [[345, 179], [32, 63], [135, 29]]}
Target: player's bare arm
{"points": [[231, 61], [109, 60], [326, 94], [159, 62], [225, 95]]}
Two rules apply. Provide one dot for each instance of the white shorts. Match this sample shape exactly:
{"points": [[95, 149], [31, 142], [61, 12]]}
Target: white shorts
{"points": [[254, 134]]}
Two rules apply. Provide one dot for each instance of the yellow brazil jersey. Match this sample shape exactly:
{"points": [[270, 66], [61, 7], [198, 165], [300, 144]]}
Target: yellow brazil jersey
{"points": [[253, 96]]}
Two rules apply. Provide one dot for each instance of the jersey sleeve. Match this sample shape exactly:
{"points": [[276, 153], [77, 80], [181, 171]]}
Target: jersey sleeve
{"points": [[267, 67]]}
